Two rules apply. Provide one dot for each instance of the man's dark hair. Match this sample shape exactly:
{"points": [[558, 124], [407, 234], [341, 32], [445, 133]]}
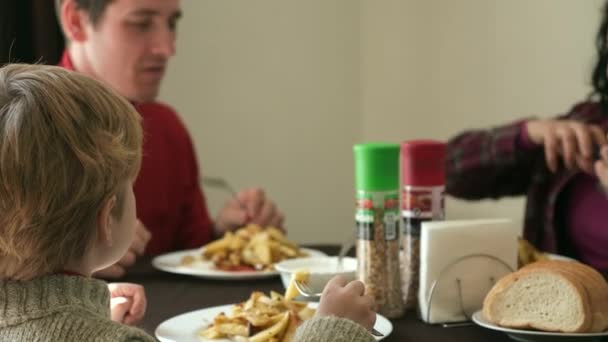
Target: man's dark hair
{"points": [[95, 8], [599, 77]]}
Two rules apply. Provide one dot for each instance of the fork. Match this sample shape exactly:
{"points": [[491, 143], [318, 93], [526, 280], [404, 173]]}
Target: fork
{"points": [[346, 246], [306, 291], [221, 183]]}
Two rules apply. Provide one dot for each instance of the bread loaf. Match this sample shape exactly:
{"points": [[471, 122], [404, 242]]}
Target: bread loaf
{"points": [[559, 296]]}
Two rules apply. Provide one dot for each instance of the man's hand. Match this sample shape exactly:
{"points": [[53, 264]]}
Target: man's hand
{"points": [[572, 141], [249, 206], [128, 302], [137, 249]]}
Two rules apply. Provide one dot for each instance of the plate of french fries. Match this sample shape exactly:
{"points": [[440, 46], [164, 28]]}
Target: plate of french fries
{"points": [[261, 318], [249, 252]]}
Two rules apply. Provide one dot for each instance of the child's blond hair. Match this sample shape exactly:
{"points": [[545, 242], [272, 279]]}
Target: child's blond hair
{"points": [[67, 144]]}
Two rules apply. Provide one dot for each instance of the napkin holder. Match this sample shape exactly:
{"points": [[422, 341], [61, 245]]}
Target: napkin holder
{"points": [[460, 262], [458, 285]]}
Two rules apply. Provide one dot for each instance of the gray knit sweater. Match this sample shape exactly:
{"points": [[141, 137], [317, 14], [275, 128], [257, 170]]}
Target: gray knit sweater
{"points": [[76, 309], [319, 329], [60, 308]]}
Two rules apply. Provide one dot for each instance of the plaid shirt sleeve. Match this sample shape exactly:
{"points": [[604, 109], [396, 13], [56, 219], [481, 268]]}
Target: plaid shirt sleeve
{"points": [[490, 163]]}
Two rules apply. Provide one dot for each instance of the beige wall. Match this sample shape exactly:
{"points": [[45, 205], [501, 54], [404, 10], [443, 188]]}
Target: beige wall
{"points": [[275, 92], [431, 68], [269, 90]]}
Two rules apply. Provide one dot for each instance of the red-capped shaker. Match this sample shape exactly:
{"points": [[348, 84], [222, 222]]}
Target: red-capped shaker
{"points": [[422, 199]]}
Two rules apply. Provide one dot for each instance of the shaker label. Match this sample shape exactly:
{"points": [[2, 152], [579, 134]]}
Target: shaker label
{"points": [[364, 216], [377, 210], [391, 222], [364, 203], [391, 202], [391, 217], [423, 203], [365, 231], [411, 226]]}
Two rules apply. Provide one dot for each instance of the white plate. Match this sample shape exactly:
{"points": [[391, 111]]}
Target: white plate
{"points": [[184, 327], [171, 262], [538, 336], [552, 256]]}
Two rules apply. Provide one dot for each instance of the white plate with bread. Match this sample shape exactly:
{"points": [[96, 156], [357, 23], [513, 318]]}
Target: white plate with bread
{"points": [[538, 336], [548, 301]]}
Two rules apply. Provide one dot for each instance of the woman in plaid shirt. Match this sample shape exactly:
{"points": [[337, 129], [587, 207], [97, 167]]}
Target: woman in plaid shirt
{"points": [[560, 164]]}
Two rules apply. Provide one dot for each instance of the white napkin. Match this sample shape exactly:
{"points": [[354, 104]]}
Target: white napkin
{"points": [[443, 243]]}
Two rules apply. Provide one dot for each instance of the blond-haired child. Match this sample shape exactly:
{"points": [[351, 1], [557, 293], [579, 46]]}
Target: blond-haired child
{"points": [[70, 150]]}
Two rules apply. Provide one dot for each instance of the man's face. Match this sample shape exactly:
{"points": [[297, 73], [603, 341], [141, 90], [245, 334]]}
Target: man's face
{"points": [[130, 45]]}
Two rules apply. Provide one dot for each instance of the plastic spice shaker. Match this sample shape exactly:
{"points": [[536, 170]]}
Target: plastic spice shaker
{"points": [[423, 193], [377, 223]]}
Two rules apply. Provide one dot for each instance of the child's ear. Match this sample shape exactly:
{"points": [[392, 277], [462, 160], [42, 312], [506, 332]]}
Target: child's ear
{"points": [[105, 220]]}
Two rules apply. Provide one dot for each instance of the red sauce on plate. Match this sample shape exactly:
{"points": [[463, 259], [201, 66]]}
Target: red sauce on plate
{"points": [[239, 268]]}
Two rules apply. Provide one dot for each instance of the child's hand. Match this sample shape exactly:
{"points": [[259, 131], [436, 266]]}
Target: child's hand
{"points": [[128, 303], [348, 301]]}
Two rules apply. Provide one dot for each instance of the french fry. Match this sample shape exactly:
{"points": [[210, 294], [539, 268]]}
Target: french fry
{"points": [[276, 296], [232, 329], [290, 332], [280, 237], [237, 310], [527, 253], [235, 259], [273, 331], [249, 257], [288, 251], [221, 319], [256, 319], [211, 333], [294, 306], [262, 251], [236, 243], [215, 246], [299, 275], [250, 303], [276, 318]]}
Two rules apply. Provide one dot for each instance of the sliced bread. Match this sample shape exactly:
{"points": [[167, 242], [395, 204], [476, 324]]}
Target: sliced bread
{"points": [[593, 282], [549, 295]]}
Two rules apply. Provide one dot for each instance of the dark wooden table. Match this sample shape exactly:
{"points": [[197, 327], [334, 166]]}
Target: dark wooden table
{"points": [[171, 294]]}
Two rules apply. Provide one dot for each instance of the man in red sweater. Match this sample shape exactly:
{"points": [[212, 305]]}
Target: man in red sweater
{"points": [[127, 44]]}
